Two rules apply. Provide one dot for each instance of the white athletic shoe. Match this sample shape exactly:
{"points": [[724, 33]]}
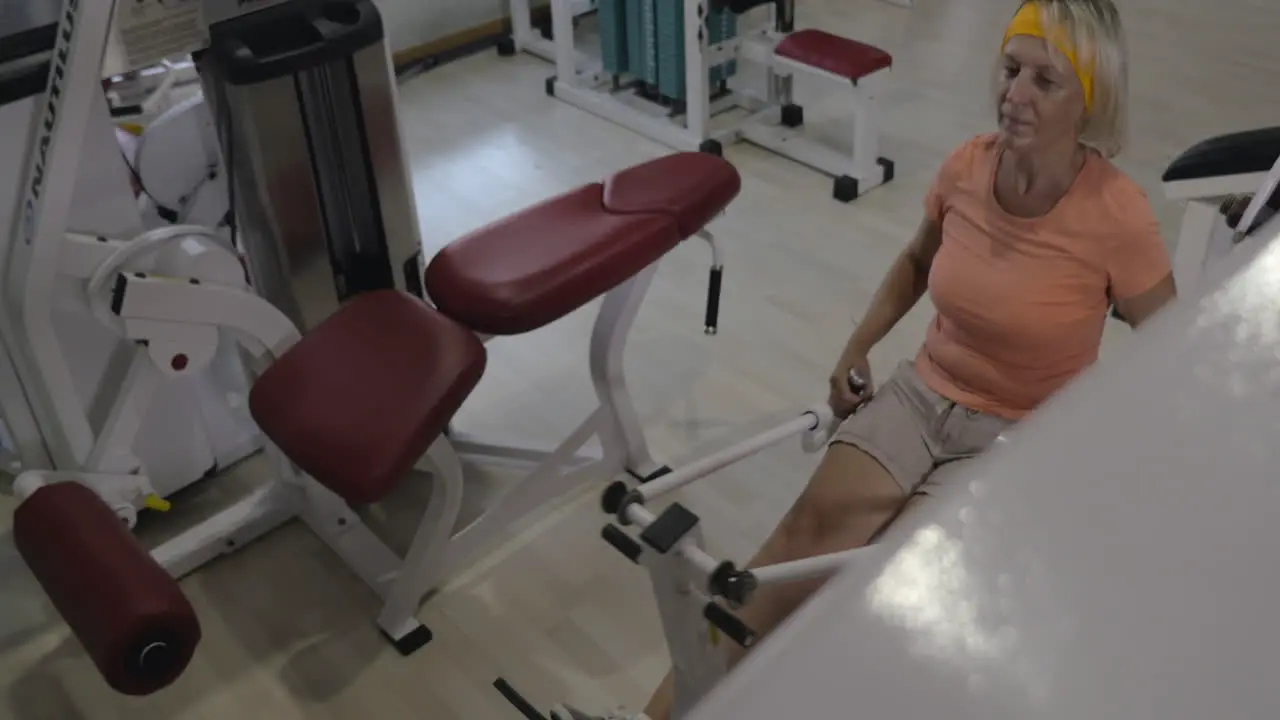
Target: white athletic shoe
{"points": [[564, 712]]}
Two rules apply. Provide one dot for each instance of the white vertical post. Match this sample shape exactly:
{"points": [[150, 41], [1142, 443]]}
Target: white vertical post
{"points": [[866, 144], [40, 225], [1190, 255], [696, 71], [562, 32], [698, 659], [521, 24], [606, 356]]}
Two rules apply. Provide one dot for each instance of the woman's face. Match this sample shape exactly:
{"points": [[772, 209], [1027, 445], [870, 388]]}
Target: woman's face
{"points": [[1041, 99]]}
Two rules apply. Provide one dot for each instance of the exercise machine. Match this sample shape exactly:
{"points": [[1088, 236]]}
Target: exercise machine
{"points": [[676, 71], [1206, 176], [695, 592], [332, 443], [1053, 581], [190, 429]]}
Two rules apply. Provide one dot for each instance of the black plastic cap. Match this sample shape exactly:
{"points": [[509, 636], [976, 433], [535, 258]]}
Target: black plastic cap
{"points": [[611, 500], [792, 115], [845, 189], [889, 168], [117, 293]]}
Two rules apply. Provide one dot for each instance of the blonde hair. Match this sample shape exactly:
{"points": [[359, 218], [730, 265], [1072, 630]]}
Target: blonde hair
{"points": [[1093, 30]]}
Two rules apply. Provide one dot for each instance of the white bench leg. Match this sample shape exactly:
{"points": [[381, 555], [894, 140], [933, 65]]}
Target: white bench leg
{"points": [[607, 352], [867, 170], [424, 565]]}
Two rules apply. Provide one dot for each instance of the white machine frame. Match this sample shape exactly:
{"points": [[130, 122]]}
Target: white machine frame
{"points": [[526, 38], [1203, 235], [691, 587], [584, 84], [178, 317]]}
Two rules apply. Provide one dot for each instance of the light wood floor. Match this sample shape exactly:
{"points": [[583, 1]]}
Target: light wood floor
{"points": [[288, 631]]}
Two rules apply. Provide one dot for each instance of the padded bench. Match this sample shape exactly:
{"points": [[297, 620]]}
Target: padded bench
{"points": [[853, 67], [1252, 151], [362, 396]]}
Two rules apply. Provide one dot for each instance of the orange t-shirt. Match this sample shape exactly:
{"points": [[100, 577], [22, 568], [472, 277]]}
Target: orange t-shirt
{"points": [[1022, 302]]}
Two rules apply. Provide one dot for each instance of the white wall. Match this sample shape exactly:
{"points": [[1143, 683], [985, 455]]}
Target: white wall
{"points": [[410, 23]]}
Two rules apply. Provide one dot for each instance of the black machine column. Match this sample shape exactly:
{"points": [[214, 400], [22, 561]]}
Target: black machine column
{"points": [[305, 99]]}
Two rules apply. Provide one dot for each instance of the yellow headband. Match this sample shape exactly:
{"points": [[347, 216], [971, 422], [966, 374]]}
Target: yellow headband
{"points": [[1028, 21]]}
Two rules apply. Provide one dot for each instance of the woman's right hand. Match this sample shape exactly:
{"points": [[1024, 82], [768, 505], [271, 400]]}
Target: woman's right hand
{"points": [[843, 395]]}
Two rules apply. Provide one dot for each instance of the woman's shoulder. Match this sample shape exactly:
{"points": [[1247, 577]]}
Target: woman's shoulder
{"points": [[1117, 196], [970, 157], [976, 148]]}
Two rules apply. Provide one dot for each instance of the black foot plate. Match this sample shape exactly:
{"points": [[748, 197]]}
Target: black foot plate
{"points": [[664, 470]]}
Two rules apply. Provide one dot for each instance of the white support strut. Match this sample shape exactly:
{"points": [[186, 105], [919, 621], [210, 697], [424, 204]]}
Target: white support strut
{"points": [[39, 225]]}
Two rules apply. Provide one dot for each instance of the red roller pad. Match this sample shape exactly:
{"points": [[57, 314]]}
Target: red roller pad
{"points": [[127, 612]]}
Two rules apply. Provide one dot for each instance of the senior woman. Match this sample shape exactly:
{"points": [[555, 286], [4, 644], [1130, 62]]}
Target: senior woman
{"points": [[1029, 235]]}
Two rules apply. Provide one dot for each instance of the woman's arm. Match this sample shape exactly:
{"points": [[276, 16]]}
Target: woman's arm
{"points": [[901, 289], [1135, 310]]}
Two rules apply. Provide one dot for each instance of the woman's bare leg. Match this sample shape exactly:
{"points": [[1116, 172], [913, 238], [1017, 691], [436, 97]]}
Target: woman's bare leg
{"points": [[847, 501]]}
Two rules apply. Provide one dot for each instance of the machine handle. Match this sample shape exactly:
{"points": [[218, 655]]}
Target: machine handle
{"points": [[291, 38], [713, 300], [622, 542], [518, 701], [857, 383]]}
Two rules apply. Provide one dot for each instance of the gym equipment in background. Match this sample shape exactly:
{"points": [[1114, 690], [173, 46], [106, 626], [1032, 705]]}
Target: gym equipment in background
{"points": [[699, 74]]}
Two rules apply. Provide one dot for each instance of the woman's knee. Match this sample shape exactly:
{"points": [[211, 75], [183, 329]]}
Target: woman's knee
{"points": [[848, 499]]}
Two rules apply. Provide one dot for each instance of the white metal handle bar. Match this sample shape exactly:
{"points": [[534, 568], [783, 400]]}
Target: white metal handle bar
{"points": [[816, 420], [815, 425]]}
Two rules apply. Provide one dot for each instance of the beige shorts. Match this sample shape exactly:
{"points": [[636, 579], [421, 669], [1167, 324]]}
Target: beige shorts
{"points": [[913, 431]]}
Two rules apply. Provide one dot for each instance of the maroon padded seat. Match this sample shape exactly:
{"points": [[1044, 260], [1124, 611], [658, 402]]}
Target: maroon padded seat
{"points": [[691, 187], [362, 396], [542, 263], [837, 55]]}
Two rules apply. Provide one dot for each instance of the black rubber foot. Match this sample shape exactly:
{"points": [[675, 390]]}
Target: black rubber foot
{"points": [[664, 470], [845, 189], [411, 642], [507, 47], [888, 166], [551, 86], [712, 147], [792, 115]]}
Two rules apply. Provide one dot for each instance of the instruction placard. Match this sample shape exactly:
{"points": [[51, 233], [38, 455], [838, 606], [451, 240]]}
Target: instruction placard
{"points": [[152, 30]]}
